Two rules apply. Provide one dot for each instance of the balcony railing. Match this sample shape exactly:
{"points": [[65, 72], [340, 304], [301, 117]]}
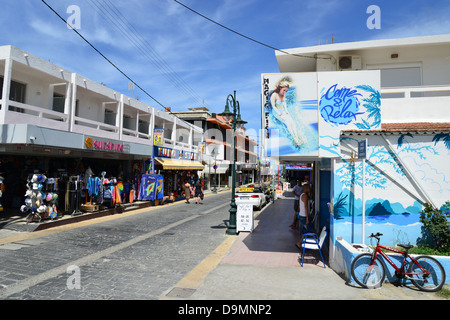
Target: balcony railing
{"points": [[415, 104], [21, 113]]}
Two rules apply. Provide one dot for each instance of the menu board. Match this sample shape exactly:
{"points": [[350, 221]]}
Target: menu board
{"points": [[244, 217]]}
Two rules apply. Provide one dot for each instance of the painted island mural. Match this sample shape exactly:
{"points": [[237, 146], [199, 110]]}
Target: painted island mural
{"points": [[304, 114]]}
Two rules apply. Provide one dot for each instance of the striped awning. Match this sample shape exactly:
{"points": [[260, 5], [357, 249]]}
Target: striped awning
{"points": [[172, 164]]}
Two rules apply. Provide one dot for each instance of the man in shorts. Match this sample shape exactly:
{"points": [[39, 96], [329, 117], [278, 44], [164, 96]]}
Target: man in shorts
{"points": [[297, 191]]}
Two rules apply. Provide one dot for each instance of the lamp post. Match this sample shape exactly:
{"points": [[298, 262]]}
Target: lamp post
{"points": [[236, 121], [213, 153]]}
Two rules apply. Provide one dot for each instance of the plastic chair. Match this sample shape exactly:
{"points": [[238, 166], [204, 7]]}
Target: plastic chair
{"points": [[312, 242]]}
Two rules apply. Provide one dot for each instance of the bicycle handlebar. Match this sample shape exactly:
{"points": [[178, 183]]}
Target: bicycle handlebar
{"points": [[377, 235]]}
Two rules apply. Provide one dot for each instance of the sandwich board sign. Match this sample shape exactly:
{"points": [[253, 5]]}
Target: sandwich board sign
{"points": [[244, 217]]}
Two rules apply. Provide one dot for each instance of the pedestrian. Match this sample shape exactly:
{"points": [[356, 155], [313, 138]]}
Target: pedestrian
{"points": [[303, 215], [297, 191], [187, 190], [198, 192]]}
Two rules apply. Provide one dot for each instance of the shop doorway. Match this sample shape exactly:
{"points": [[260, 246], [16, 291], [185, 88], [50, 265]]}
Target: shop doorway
{"points": [[317, 173]]}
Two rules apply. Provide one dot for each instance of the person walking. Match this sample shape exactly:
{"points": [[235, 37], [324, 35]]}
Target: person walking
{"points": [[187, 190], [198, 192]]}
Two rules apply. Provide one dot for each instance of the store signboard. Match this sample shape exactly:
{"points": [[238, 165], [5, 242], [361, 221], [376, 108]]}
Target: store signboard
{"points": [[104, 145], [163, 152], [244, 217]]}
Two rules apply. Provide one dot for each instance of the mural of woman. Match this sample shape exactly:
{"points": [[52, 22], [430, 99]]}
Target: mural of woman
{"points": [[280, 111]]}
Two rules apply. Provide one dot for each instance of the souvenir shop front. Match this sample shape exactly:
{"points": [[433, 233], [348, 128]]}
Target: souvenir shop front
{"points": [[177, 166], [48, 181]]}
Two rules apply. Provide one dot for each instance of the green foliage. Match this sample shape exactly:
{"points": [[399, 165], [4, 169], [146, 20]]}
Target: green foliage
{"points": [[436, 227]]}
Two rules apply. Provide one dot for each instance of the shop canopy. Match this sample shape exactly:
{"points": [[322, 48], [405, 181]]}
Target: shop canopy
{"points": [[172, 164]]}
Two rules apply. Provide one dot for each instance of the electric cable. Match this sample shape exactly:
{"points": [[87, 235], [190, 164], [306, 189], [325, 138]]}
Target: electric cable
{"points": [[104, 57], [109, 12], [246, 37]]}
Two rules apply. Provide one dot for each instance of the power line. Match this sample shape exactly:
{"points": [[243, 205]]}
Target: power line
{"points": [[110, 12], [244, 36], [104, 57]]}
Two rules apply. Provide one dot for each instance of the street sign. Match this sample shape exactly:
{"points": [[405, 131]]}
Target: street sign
{"points": [[362, 149], [244, 217], [215, 167]]}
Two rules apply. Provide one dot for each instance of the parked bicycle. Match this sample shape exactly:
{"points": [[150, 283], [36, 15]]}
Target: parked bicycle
{"points": [[425, 272]]}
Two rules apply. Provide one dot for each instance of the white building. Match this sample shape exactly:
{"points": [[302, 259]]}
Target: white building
{"points": [[53, 119], [394, 94]]}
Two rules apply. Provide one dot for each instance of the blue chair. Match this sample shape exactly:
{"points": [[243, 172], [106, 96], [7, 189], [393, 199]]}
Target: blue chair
{"points": [[312, 242]]}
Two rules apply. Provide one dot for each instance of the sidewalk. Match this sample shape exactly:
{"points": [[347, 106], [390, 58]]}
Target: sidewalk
{"points": [[266, 265]]}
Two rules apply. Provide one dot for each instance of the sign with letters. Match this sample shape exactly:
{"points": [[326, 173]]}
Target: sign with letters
{"points": [[304, 113], [362, 149], [244, 217]]}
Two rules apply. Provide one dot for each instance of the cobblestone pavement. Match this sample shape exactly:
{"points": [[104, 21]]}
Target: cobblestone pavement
{"points": [[139, 256]]}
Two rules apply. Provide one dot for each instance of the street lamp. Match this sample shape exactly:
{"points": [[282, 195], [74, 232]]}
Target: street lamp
{"points": [[213, 153], [235, 115]]}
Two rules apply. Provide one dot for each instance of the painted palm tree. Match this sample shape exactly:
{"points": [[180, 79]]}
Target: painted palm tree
{"points": [[372, 105]]}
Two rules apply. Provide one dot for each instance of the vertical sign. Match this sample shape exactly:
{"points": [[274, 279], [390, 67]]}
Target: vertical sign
{"points": [[158, 136], [362, 149]]}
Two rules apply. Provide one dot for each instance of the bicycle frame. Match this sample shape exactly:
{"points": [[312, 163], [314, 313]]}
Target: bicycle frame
{"points": [[400, 271]]}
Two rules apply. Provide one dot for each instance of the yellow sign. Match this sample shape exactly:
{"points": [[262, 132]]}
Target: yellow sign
{"points": [[89, 142], [246, 189], [158, 136]]}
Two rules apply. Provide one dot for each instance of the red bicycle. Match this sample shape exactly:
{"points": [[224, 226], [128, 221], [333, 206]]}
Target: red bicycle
{"points": [[425, 272]]}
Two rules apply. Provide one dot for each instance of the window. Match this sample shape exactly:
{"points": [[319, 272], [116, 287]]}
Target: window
{"points": [[58, 102], [17, 91], [401, 77], [110, 117]]}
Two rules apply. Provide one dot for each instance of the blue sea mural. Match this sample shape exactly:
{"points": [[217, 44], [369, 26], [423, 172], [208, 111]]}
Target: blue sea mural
{"points": [[393, 202]]}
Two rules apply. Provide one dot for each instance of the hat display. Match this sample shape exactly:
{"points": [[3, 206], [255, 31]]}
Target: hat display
{"points": [[38, 203]]}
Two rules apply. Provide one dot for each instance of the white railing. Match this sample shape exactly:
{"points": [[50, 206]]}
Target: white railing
{"points": [[415, 92], [415, 104], [20, 113]]}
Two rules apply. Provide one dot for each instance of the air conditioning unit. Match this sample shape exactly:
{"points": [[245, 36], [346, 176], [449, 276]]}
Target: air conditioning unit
{"points": [[349, 62]]}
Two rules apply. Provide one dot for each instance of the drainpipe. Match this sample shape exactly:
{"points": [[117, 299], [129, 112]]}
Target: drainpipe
{"points": [[408, 173]]}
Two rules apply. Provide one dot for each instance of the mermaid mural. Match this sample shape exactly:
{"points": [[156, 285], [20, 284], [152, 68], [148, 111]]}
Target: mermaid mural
{"points": [[295, 119]]}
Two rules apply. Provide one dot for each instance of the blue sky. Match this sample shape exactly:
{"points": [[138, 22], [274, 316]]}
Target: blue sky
{"points": [[184, 60]]}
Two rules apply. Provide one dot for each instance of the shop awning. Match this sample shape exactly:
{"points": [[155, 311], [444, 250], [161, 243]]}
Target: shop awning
{"points": [[172, 164]]}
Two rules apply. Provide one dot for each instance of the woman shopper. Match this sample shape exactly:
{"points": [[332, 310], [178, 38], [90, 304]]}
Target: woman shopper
{"points": [[198, 192], [187, 190]]}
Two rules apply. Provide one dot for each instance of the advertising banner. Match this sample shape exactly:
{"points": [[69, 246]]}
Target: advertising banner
{"points": [[304, 113], [347, 100], [158, 136], [290, 114], [147, 190]]}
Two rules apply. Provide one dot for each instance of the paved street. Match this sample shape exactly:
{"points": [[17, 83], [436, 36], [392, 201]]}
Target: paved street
{"points": [[136, 255], [175, 252]]}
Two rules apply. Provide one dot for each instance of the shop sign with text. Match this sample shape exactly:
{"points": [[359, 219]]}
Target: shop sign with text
{"points": [[108, 145]]}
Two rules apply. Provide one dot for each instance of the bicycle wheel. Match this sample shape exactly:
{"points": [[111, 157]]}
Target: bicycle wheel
{"points": [[367, 275], [432, 282]]}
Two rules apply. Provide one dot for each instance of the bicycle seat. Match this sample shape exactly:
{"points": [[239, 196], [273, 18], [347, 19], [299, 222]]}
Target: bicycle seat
{"points": [[406, 246]]}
